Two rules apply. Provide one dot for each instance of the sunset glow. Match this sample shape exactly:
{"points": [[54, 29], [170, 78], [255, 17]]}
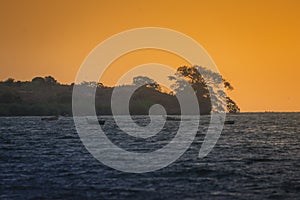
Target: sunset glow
{"points": [[255, 44]]}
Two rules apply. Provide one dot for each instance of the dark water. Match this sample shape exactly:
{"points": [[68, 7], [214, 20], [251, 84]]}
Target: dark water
{"points": [[256, 158]]}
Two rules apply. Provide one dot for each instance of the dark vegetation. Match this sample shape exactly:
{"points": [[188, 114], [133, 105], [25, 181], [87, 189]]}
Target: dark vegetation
{"points": [[45, 96]]}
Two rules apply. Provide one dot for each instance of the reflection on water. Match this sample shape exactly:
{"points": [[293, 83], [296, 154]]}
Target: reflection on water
{"points": [[258, 157]]}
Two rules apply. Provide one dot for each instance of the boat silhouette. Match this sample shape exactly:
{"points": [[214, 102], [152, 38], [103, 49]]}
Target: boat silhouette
{"points": [[98, 121], [53, 118]]}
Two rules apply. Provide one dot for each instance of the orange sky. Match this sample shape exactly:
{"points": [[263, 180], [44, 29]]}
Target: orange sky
{"points": [[255, 44]]}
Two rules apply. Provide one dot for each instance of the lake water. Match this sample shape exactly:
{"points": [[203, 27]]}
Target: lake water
{"points": [[258, 157]]}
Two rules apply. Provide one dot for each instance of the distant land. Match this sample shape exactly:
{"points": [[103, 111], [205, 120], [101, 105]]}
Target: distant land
{"points": [[45, 96]]}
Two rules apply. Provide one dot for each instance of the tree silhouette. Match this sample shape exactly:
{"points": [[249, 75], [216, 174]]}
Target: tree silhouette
{"points": [[92, 84], [206, 85], [49, 80], [145, 81], [45, 96], [232, 107], [9, 81], [185, 76], [38, 81]]}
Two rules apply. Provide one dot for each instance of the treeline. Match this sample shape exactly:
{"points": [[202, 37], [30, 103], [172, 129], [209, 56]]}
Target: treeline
{"points": [[46, 96], [38, 97]]}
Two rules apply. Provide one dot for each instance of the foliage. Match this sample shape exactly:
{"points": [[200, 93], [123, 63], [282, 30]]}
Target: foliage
{"points": [[146, 81], [45, 96], [207, 86]]}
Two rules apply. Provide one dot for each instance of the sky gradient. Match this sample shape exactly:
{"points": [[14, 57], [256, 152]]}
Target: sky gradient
{"points": [[255, 44]]}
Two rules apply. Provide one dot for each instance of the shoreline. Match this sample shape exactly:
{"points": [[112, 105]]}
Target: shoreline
{"points": [[241, 113]]}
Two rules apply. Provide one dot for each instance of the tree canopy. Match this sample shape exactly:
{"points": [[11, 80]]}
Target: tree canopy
{"points": [[46, 96], [207, 86]]}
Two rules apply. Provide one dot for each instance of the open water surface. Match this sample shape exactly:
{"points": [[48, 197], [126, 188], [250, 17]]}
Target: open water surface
{"points": [[258, 157]]}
